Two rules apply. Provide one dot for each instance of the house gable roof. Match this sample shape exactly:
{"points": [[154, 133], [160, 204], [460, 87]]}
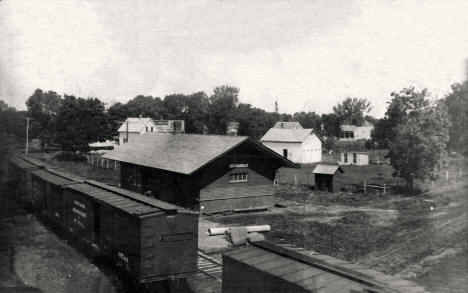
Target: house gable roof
{"points": [[134, 124], [180, 153], [288, 135], [288, 125]]}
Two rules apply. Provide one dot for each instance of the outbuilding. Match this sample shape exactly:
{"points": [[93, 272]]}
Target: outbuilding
{"points": [[354, 158], [212, 173], [328, 177]]}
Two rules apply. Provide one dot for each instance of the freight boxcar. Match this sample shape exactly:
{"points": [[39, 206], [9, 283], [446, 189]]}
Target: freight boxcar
{"points": [[19, 174], [47, 188], [150, 239], [270, 268]]}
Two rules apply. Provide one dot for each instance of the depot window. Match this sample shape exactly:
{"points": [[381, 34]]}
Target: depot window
{"points": [[238, 177]]}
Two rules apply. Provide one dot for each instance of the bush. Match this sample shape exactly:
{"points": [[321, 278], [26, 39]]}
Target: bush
{"points": [[70, 156]]}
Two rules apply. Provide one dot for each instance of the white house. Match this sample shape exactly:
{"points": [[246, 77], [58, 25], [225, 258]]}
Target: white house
{"points": [[353, 132], [296, 144], [354, 158], [133, 127]]}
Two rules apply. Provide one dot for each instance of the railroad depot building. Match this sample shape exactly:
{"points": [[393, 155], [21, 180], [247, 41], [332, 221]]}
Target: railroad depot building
{"points": [[210, 173], [294, 142]]}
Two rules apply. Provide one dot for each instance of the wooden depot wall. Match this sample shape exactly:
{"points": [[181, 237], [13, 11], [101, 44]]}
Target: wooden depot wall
{"points": [[209, 186]]}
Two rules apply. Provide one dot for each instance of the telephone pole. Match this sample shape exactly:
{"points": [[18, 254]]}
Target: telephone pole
{"points": [[27, 134]]}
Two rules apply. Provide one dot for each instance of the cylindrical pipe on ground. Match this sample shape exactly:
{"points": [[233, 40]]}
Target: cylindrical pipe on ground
{"points": [[222, 230]]}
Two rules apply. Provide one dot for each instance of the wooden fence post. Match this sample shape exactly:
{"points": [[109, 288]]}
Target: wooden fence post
{"points": [[107, 164], [384, 188], [115, 165], [446, 176], [364, 185], [92, 160], [459, 172]]}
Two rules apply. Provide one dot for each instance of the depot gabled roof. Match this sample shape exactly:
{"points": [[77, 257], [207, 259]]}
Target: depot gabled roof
{"points": [[182, 153]]}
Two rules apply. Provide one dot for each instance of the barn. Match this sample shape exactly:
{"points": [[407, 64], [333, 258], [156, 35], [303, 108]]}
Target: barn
{"points": [[328, 177], [210, 173], [290, 140]]}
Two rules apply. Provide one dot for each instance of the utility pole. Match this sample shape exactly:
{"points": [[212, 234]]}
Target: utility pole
{"points": [[27, 134], [276, 106]]}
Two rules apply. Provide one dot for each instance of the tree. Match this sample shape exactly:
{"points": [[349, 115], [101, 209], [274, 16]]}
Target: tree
{"points": [[146, 106], [223, 103], [196, 113], [308, 120], [419, 148], [175, 106], [457, 107], [352, 110], [43, 108], [11, 121], [80, 122], [331, 123]]}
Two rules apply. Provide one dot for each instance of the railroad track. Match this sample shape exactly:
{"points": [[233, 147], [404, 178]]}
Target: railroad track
{"points": [[209, 266]]}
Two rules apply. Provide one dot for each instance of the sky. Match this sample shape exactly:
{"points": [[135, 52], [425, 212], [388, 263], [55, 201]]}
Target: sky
{"points": [[308, 55]]}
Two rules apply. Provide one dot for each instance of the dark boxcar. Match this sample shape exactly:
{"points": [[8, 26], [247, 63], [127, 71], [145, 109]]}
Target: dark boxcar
{"points": [[150, 239], [19, 173], [265, 267], [47, 197]]}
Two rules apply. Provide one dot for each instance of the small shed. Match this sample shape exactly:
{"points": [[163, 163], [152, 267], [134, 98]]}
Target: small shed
{"points": [[354, 158], [328, 177]]}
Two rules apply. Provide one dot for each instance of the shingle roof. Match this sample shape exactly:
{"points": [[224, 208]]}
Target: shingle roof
{"points": [[181, 153], [288, 125], [134, 124], [288, 135], [324, 168]]}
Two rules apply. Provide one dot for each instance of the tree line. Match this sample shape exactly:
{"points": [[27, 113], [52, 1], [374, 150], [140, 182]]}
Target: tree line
{"points": [[418, 132], [74, 122]]}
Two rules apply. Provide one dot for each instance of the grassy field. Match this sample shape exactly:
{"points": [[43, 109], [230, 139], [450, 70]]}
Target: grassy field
{"points": [[353, 177]]}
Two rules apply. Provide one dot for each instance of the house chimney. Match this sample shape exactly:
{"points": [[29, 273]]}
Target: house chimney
{"points": [[232, 128]]}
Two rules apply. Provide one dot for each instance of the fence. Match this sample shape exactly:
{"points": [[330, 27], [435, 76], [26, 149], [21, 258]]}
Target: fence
{"points": [[101, 162], [385, 187]]}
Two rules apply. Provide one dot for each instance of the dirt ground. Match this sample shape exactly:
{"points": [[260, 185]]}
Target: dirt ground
{"points": [[395, 234]]}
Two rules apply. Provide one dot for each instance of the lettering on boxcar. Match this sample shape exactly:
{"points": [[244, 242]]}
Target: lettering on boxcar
{"points": [[79, 213], [79, 204]]}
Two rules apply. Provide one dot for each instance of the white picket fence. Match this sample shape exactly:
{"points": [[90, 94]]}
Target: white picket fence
{"points": [[102, 162]]}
